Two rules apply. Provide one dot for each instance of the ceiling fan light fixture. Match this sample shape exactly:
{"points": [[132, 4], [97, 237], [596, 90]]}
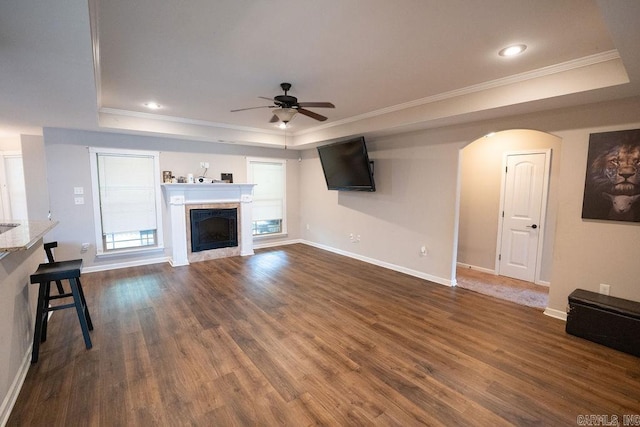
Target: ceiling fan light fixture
{"points": [[285, 114]]}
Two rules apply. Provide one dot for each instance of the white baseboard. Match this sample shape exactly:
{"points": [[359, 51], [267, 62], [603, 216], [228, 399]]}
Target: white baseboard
{"points": [[555, 313], [266, 244], [394, 267], [476, 268], [117, 265], [14, 390], [495, 273]]}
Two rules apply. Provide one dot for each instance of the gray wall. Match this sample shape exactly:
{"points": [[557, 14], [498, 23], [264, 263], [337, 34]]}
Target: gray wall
{"points": [[417, 178], [67, 164], [416, 203], [35, 176]]}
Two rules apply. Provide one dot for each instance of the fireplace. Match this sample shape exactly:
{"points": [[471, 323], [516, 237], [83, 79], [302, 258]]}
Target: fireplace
{"points": [[181, 199], [213, 229]]}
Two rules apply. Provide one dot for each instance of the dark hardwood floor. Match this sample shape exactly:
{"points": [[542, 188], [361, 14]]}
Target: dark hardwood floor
{"points": [[298, 336]]}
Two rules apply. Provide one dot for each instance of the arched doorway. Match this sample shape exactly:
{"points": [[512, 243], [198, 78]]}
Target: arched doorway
{"points": [[481, 197]]}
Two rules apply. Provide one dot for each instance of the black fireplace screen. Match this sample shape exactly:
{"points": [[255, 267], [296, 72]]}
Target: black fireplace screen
{"points": [[213, 229]]}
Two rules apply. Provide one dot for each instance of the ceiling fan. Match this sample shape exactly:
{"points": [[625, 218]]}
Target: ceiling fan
{"points": [[286, 106]]}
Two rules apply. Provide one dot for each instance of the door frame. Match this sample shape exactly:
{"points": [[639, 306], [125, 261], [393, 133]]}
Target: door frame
{"points": [[544, 207]]}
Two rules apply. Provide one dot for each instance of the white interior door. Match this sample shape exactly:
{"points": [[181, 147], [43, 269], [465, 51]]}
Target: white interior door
{"points": [[524, 188], [14, 194]]}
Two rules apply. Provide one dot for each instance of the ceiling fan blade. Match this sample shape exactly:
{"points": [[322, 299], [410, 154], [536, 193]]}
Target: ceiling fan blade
{"points": [[252, 108], [312, 114], [316, 104], [274, 119], [268, 99]]}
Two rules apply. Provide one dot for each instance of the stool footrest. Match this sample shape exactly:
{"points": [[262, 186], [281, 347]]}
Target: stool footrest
{"points": [[52, 297], [61, 307]]}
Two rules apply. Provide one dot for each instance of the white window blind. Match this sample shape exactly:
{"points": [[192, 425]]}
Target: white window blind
{"points": [[127, 193], [269, 195], [127, 205]]}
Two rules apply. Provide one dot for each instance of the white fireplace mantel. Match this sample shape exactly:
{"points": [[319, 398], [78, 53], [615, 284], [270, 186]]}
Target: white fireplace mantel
{"points": [[176, 196]]}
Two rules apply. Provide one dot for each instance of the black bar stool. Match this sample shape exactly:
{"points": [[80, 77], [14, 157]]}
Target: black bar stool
{"points": [[56, 272], [47, 249]]}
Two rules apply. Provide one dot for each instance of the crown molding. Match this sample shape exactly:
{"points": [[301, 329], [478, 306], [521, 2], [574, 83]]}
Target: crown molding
{"points": [[183, 120], [492, 84]]}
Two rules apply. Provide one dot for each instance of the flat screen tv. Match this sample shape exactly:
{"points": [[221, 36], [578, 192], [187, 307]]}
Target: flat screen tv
{"points": [[346, 166]]}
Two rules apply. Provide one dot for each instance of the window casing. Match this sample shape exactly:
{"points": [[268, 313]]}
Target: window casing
{"points": [[269, 195], [126, 200]]}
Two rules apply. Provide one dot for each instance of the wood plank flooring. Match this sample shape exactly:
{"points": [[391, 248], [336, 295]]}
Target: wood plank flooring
{"points": [[297, 336]]}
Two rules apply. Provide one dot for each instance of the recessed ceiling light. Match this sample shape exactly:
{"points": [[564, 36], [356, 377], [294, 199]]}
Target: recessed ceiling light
{"points": [[152, 105], [513, 50]]}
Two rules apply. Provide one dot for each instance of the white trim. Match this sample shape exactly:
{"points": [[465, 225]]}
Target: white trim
{"points": [[394, 267], [505, 81], [476, 268], [543, 283], [573, 64], [14, 390], [543, 208], [276, 243], [97, 216], [144, 250], [557, 314], [125, 264], [95, 49], [282, 162], [183, 120]]}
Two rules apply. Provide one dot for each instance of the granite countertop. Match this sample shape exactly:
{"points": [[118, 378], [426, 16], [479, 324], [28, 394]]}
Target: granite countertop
{"points": [[23, 235]]}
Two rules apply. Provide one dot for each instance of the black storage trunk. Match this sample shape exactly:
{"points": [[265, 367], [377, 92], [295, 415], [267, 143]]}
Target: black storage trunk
{"points": [[610, 321]]}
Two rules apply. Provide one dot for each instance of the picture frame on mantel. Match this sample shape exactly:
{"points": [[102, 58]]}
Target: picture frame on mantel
{"points": [[612, 183]]}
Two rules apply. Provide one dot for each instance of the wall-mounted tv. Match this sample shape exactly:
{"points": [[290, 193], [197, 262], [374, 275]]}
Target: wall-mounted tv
{"points": [[346, 165]]}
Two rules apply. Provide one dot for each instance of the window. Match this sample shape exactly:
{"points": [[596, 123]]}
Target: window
{"points": [[269, 201], [126, 200]]}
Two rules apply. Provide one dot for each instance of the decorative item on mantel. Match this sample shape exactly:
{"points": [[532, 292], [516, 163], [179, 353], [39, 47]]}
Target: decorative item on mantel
{"points": [[227, 177], [166, 177]]}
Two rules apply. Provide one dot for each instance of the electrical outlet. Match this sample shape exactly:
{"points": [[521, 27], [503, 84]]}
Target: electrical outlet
{"points": [[423, 250], [85, 248], [78, 190], [604, 289], [308, 227]]}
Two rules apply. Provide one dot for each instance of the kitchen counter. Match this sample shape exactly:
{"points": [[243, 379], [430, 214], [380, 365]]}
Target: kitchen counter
{"points": [[20, 254], [24, 235]]}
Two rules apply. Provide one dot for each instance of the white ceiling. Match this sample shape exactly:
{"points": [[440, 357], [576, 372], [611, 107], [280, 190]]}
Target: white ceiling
{"points": [[387, 66]]}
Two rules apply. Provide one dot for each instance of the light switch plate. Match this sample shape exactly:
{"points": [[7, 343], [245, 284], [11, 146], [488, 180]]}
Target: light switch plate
{"points": [[78, 190]]}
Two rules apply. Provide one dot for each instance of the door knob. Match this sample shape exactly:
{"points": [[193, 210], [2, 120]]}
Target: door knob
{"points": [[534, 226]]}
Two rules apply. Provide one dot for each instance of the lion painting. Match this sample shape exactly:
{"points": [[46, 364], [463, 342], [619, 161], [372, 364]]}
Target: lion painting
{"points": [[612, 187]]}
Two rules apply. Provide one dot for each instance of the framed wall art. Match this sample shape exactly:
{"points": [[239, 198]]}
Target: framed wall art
{"points": [[612, 184]]}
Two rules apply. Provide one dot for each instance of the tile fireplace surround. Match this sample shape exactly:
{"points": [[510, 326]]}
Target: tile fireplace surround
{"points": [[178, 198]]}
